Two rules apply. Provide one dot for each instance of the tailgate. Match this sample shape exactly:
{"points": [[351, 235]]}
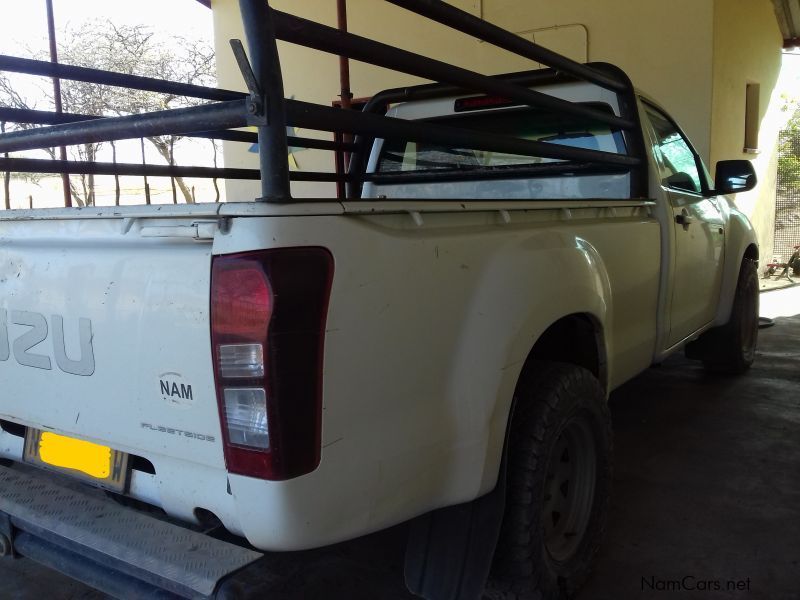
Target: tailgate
{"points": [[104, 333]]}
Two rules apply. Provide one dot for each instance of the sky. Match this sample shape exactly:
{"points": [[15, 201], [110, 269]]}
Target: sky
{"points": [[25, 24], [23, 31]]}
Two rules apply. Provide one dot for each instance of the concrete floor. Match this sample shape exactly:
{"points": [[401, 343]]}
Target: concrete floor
{"points": [[706, 492]]}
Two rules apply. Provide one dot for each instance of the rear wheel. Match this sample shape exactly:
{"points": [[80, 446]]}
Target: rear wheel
{"points": [[558, 486]]}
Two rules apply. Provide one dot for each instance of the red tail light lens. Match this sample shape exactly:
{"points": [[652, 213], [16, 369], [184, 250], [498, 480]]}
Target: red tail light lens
{"points": [[268, 314], [241, 300]]}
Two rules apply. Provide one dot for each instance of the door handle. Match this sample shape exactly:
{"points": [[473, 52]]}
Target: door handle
{"points": [[684, 219]]}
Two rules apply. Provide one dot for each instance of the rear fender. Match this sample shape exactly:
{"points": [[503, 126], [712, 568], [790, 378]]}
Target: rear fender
{"points": [[450, 550], [570, 278]]}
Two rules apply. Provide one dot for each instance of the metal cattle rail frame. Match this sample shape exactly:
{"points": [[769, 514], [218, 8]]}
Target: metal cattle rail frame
{"points": [[266, 108]]}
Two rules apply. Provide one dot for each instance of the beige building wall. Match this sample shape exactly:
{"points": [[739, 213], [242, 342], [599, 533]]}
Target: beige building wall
{"points": [[665, 47], [747, 46]]}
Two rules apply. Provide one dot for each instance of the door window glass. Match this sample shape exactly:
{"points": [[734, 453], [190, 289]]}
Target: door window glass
{"points": [[678, 161]]}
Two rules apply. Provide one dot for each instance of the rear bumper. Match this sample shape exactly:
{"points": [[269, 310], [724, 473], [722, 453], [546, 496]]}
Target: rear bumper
{"points": [[122, 552]]}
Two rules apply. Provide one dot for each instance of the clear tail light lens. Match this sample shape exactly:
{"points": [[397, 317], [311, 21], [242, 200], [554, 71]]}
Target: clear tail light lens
{"points": [[268, 314], [241, 360], [246, 417]]}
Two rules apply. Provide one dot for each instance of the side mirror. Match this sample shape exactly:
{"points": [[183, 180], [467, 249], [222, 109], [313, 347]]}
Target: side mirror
{"points": [[734, 176]]}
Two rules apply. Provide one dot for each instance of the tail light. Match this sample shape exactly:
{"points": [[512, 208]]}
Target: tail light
{"points": [[268, 312]]}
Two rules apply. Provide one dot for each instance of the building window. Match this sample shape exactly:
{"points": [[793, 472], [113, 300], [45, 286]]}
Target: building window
{"points": [[751, 118]]}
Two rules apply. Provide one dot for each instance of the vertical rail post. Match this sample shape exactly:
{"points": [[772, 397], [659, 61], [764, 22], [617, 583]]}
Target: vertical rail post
{"points": [[344, 63], [339, 164], [346, 95], [216, 184], [172, 164], [273, 148], [146, 185], [116, 177], [62, 151], [6, 177]]}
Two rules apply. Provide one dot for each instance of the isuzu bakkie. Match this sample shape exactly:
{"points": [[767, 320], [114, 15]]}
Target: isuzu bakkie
{"points": [[436, 344]]}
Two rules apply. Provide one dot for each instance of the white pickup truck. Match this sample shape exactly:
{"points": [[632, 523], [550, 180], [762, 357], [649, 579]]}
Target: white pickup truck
{"points": [[439, 348]]}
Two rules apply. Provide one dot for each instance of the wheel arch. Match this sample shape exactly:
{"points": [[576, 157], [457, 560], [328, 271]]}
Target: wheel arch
{"points": [[741, 244], [576, 339], [462, 538], [751, 253]]}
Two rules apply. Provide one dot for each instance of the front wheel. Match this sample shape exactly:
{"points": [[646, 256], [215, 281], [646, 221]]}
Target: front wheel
{"points": [[558, 486], [731, 348]]}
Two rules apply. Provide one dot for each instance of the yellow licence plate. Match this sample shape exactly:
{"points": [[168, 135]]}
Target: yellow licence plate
{"points": [[84, 460]]}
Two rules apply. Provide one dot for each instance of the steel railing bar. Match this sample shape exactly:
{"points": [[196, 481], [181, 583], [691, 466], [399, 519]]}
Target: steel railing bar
{"points": [[40, 117], [431, 91], [259, 28], [307, 33], [28, 66], [460, 20], [179, 121], [493, 173], [323, 118], [43, 117], [37, 165]]}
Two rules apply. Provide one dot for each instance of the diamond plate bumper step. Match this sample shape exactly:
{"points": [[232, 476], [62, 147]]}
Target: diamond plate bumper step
{"points": [[123, 552]]}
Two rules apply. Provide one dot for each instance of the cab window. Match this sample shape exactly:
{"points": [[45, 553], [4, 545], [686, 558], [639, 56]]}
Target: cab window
{"points": [[680, 167], [542, 126]]}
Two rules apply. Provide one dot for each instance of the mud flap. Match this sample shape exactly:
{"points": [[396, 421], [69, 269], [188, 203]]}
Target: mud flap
{"points": [[450, 550]]}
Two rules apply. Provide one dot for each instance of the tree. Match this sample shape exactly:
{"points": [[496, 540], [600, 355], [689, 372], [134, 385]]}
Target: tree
{"points": [[10, 96], [133, 50], [789, 157]]}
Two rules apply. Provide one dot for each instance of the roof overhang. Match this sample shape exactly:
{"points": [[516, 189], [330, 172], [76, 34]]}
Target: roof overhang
{"points": [[788, 13]]}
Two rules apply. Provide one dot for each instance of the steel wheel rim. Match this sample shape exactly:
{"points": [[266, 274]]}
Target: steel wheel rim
{"points": [[569, 488]]}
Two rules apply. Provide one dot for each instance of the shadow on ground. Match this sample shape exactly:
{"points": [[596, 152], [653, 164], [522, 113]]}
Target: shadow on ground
{"points": [[707, 481]]}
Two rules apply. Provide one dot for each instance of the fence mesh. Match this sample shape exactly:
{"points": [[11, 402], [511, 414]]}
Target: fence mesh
{"points": [[787, 203]]}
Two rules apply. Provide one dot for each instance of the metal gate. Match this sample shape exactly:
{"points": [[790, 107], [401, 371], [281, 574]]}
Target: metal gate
{"points": [[787, 203]]}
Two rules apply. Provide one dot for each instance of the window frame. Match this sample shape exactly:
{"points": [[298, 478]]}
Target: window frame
{"points": [[707, 191], [618, 136]]}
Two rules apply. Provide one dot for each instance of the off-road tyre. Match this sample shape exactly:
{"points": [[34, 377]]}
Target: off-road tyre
{"points": [[559, 459], [731, 348]]}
